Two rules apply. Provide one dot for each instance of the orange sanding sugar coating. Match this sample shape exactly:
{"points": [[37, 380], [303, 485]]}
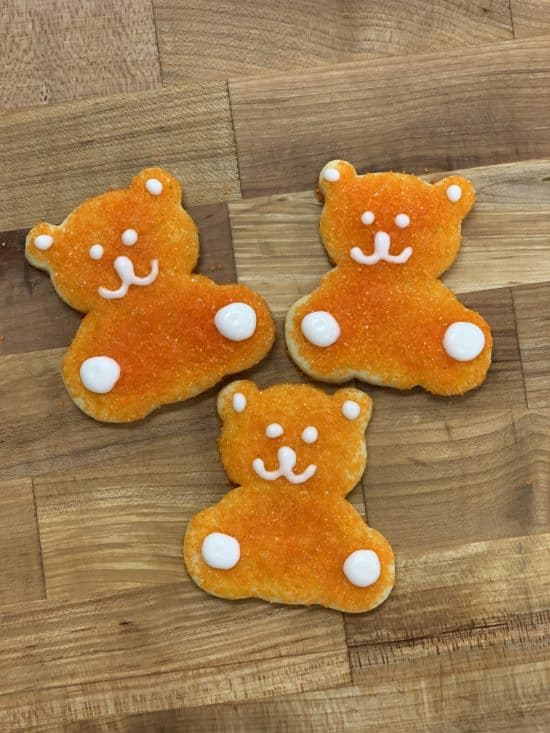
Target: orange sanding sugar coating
{"points": [[152, 334], [390, 319], [294, 528]]}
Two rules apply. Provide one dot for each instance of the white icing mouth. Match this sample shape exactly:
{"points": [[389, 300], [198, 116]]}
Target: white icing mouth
{"points": [[381, 252], [125, 270], [287, 461]]}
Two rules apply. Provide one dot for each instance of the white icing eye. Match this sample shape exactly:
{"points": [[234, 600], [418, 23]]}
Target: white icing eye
{"points": [[154, 186], [96, 251], [43, 242], [367, 217], [274, 430], [310, 434], [454, 193], [402, 221], [351, 410], [239, 402], [331, 174], [129, 237]]}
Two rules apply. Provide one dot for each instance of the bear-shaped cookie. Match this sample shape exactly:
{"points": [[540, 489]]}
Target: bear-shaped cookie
{"points": [[382, 315], [287, 533], [154, 332]]}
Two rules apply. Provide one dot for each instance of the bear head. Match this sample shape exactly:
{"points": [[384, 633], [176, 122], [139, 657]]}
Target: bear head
{"points": [[118, 243], [390, 220], [294, 434]]}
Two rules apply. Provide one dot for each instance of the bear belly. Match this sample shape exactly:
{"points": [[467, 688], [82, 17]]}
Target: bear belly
{"points": [[293, 545]]}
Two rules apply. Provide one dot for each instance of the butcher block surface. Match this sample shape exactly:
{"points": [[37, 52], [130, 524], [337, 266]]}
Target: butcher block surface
{"points": [[101, 628]]}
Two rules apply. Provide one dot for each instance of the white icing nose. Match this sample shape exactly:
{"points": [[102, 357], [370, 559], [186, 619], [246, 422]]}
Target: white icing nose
{"points": [[382, 242], [463, 341], [362, 568], [99, 374], [287, 457], [220, 551], [236, 321]]}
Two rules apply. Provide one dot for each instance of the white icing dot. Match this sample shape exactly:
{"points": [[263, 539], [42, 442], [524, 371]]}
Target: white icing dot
{"points": [[351, 410], [402, 221], [463, 341], [239, 402], [367, 217], [331, 174], [43, 242], [99, 374], [310, 434], [221, 551], [236, 321], [96, 251], [274, 430], [154, 186], [362, 568], [320, 328], [454, 193], [129, 237]]}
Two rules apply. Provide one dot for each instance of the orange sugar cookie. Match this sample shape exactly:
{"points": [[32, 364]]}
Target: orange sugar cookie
{"points": [[154, 332], [382, 314], [287, 533]]}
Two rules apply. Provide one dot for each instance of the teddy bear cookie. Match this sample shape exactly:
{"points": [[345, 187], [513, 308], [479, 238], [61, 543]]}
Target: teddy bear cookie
{"points": [[154, 332], [287, 533], [382, 315]]}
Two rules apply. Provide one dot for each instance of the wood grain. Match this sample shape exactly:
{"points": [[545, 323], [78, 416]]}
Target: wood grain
{"points": [[20, 556], [33, 317], [469, 702], [530, 17], [46, 432], [473, 475], [506, 237], [533, 322], [80, 149], [444, 591], [454, 111], [57, 50], [255, 36], [159, 648]]}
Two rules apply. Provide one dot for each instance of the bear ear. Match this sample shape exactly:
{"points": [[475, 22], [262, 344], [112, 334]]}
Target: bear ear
{"points": [[41, 240], [457, 195], [236, 398], [336, 176], [156, 184], [355, 406]]}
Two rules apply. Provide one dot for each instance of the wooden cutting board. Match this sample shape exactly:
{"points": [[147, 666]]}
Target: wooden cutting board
{"points": [[100, 627]]}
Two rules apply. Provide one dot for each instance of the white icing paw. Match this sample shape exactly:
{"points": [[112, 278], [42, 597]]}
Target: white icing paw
{"points": [[320, 328], [99, 374], [236, 321], [362, 568], [220, 551], [463, 341]]}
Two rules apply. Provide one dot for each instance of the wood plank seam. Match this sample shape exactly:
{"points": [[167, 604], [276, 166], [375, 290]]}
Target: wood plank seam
{"points": [[159, 57], [511, 20], [236, 148], [529, 620], [520, 350], [44, 586]]}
